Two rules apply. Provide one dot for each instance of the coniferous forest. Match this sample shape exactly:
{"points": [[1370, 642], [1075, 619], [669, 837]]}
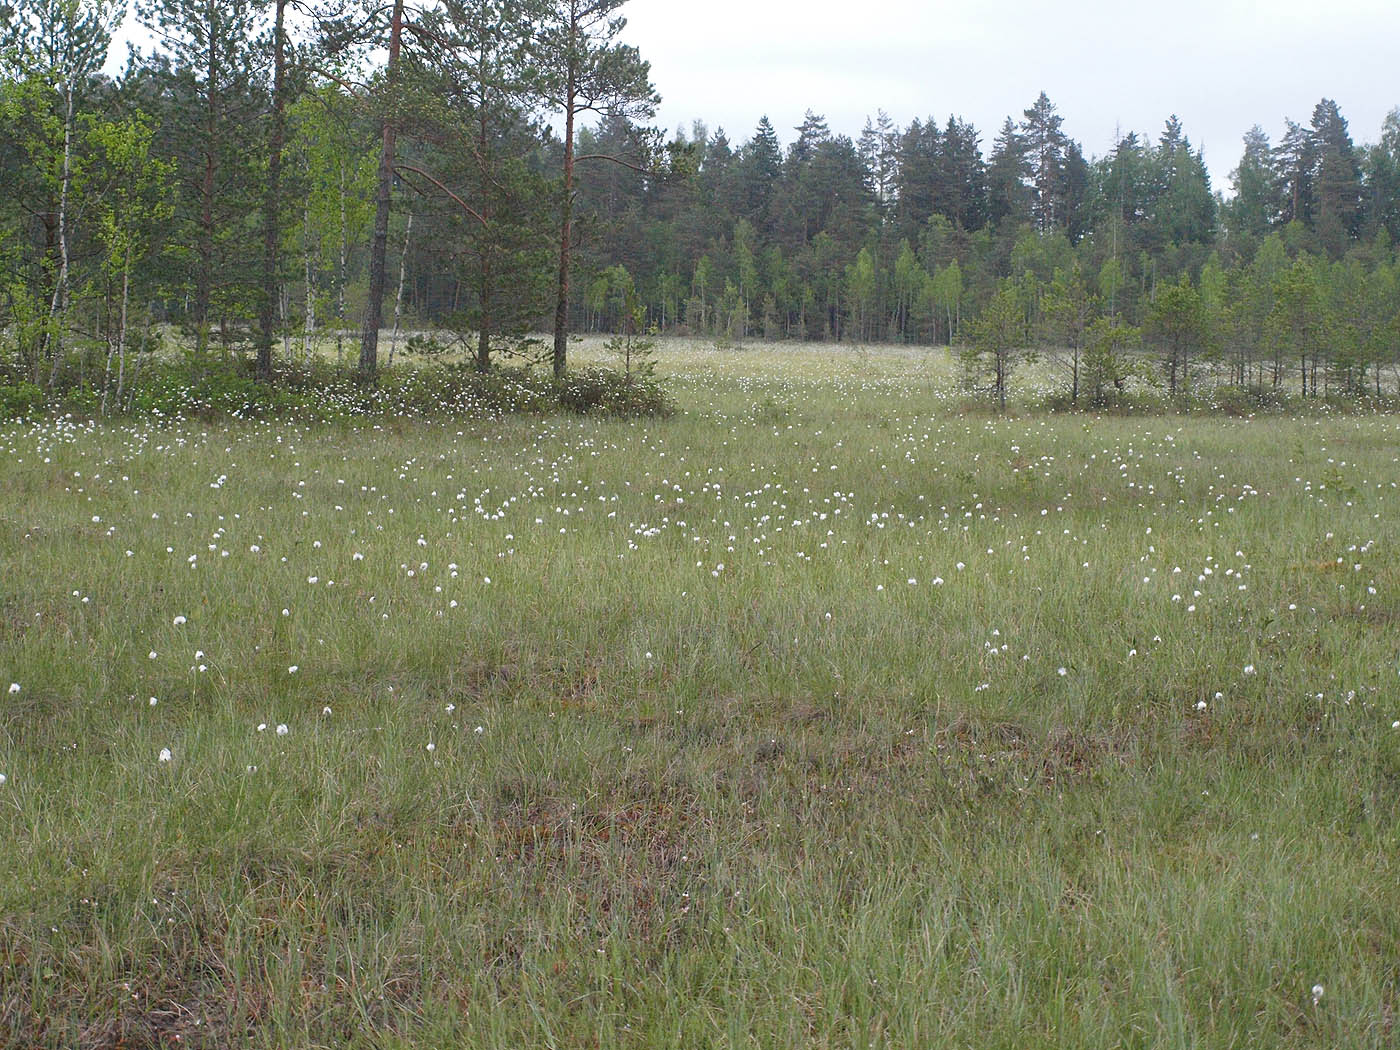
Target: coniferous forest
{"points": [[264, 178]]}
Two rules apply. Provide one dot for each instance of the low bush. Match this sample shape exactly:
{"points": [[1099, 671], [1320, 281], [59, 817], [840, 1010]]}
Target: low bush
{"points": [[21, 400], [318, 392], [604, 391]]}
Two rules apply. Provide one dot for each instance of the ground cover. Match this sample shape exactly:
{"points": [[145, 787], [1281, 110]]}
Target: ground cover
{"points": [[824, 712]]}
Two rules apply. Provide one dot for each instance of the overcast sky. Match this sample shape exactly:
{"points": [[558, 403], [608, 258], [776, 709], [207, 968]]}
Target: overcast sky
{"points": [[1220, 65]]}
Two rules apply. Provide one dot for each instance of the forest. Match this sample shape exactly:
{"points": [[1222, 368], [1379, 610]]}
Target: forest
{"points": [[266, 181]]}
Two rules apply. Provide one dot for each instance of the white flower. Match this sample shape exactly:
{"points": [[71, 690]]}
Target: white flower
{"points": [[293, 669], [486, 579], [432, 746], [286, 612], [282, 729], [152, 654], [1317, 991], [452, 707], [1248, 668], [153, 701], [262, 726], [325, 710], [480, 729], [14, 688], [1200, 705], [1062, 672], [179, 621], [3, 778], [165, 755]]}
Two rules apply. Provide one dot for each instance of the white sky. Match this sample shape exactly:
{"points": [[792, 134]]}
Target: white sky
{"points": [[1220, 65]]}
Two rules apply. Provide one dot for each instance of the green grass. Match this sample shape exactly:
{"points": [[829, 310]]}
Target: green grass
{"points": [[794, 801]]}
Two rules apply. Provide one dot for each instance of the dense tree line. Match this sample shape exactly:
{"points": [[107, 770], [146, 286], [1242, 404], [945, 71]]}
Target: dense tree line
{"points": [[272, 176]]}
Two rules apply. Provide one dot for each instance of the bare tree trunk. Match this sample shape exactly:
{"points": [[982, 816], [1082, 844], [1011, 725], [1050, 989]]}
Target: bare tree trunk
{"points": [[566, 235], [204, 278], [272, 226], [398, 299], [309, 329], [342, 274], [486, 286], [121, 331], [59, 303], [379, 245]]}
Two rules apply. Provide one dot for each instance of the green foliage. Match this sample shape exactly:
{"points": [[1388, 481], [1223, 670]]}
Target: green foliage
{"points": [[21, 400], [1000, 341], [606, 392], [1178, 326], [1108, 359]]}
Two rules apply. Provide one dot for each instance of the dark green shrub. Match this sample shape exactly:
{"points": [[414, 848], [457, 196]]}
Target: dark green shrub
{"points": [[603, 391], [21, 400]]}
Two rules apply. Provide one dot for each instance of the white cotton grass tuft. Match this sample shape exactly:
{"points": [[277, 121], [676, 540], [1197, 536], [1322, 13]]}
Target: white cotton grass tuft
{"points": [[165, 755]]}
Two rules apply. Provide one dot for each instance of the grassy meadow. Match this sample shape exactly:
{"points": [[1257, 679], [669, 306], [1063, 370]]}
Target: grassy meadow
{"points": [[823, 713]]}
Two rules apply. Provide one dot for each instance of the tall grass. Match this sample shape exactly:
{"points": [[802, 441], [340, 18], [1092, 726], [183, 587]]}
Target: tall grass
{"points": [[823, 713]]}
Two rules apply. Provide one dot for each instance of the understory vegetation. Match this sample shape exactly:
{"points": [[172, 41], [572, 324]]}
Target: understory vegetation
{"points": [[826, 711]]}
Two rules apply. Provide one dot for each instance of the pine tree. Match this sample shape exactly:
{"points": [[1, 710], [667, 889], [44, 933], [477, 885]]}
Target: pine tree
{"points": [[1008, 201], [1336, 179], [1044, 145], [586, 71], [214, 92], [1257, 203], [1295, 162], [761, 166], [1383, 181]]}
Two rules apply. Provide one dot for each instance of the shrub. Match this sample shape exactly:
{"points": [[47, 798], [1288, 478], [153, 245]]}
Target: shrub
{"points": [[21, 400], [603, 391]]}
